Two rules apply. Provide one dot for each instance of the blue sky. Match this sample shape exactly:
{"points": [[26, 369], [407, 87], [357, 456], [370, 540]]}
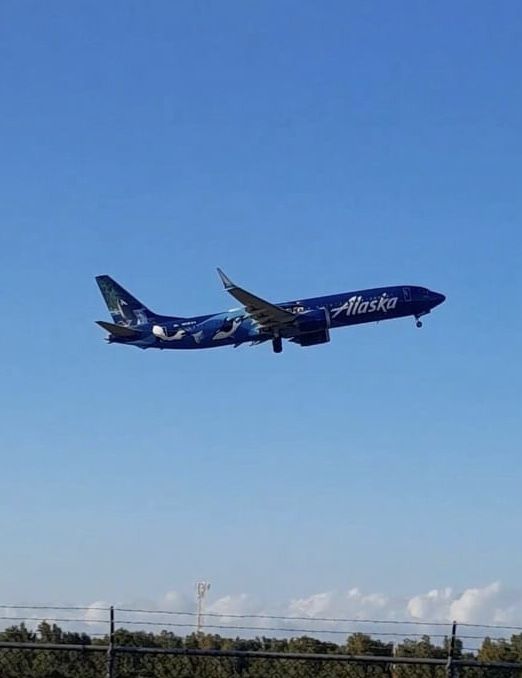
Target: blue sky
{"points": [[306, 148]]}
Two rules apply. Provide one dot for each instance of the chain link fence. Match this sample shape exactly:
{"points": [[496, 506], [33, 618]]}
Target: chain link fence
{"points": [[94, 645], [27, 661], [40, 660]]}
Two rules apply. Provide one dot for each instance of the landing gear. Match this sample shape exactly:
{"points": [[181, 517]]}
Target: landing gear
{"points": [[277, 344], [418, 323]]}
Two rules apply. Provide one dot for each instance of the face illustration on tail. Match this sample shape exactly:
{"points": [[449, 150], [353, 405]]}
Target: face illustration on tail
{"points": [[306, 322]]}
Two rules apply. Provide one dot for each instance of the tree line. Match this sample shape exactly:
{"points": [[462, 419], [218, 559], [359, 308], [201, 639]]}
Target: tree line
{"points": [[83, 664]]}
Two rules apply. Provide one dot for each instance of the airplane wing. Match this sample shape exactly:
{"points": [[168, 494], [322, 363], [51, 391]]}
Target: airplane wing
{"points": [[269, 316]]}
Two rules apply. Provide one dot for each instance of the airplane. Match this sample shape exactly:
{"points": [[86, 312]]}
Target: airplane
{"points": [[306, 322]]}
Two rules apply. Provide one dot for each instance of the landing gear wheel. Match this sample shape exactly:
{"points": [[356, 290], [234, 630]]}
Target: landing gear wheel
{"points": [[419, 323], [277, 344]]}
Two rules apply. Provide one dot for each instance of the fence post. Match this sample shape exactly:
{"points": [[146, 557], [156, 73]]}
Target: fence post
{"points": [[110, 651], [450, 671]]}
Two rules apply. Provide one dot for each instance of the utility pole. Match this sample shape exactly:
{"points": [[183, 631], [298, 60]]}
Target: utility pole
{"points": [[110, 650], [201, 591], [450, 669]]}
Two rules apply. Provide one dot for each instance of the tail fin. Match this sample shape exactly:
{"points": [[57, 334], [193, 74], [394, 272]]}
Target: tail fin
{"points": [[125, 309]]}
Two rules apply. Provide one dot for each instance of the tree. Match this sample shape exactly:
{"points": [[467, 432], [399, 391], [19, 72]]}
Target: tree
{"points": [[361, 643], [499, 650]]}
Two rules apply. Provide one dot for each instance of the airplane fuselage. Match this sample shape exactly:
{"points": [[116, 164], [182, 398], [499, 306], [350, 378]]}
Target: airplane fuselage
{"points": [[315, 317]]}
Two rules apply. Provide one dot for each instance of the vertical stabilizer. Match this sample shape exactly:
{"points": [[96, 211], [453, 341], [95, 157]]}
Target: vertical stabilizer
{"points": [[125, 309]]}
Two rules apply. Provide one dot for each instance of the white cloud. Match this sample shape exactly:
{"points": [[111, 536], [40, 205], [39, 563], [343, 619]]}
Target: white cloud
{"points": [[477, 605], [316, 605], [493, 604], [490, 604], [238, 604], [352, 604], [174, 600], [96, 613], [432, 606], [326, 611]]}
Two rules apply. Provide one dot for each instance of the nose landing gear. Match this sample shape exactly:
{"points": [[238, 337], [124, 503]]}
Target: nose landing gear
{"points": [[418, 323]]}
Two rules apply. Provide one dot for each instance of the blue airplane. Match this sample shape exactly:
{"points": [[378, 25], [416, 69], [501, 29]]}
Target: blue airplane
{"points": [[306, 322]]}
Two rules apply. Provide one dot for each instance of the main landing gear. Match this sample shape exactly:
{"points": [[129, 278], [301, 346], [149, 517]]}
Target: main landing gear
{"points": [[418, 323], [277, 344]]}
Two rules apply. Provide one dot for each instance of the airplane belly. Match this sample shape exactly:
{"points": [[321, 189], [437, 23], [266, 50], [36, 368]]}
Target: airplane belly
{"points": [[219, 330]]}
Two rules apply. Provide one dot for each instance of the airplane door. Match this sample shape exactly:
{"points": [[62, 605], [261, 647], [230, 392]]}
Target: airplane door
{"points": [[406, 291]]}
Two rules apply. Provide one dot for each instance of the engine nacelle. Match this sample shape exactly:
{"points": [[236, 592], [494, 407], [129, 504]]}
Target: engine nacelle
{"points": [[312, 338], [310, 328], [312, 321]]}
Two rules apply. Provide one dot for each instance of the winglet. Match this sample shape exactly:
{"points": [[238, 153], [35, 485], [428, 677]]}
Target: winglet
{"points": [[227, 283]]}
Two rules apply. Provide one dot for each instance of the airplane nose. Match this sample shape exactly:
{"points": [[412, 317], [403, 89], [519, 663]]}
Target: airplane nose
{"points": [[438, 298]]}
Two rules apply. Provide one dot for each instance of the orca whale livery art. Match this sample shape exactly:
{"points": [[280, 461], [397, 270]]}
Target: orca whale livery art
{"points": [[306, 322]]}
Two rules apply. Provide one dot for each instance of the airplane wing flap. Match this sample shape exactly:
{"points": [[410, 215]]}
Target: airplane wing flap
{"points": [[268, 315], [260, 308]]}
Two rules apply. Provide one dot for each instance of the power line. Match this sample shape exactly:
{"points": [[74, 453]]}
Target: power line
{"points": [[222, 615], [53, 607], [134, 622], [491, 626], [266, 628], [283, 618], [346, 620], [55, 619]]}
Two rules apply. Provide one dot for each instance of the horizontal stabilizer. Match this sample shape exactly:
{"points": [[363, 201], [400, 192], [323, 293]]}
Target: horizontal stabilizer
{"points": [[119, 330]]}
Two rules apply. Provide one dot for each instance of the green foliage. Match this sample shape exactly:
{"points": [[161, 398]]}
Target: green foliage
{"points": [[85, 663], [361, 643], [498, 651], [18, 634]]}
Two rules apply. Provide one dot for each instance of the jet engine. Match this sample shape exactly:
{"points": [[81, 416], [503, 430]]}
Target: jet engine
{"points": [[311, 327], [311, 321], [312, 338]]}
